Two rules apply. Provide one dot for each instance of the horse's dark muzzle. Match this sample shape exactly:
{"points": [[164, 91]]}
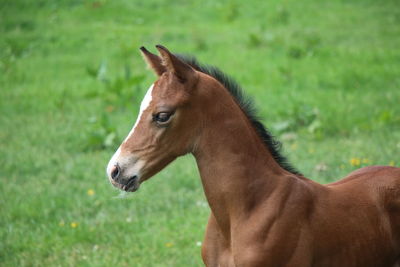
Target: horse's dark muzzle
{"points": [[130, 182]]}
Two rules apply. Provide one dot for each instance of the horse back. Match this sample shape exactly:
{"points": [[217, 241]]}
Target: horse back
{"points": [[362, 213]]}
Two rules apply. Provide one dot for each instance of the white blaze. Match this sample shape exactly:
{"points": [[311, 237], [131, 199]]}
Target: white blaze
{"points": [[143, 106]]}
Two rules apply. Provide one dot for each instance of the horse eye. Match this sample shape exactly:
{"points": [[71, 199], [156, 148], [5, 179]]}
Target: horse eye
{"points": [[162, 117]]}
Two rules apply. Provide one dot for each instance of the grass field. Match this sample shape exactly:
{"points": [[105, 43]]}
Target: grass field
{"points": [[325, 76]]}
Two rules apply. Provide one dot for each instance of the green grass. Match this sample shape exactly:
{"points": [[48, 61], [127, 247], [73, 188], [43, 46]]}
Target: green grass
{"points": [[324, 75]]}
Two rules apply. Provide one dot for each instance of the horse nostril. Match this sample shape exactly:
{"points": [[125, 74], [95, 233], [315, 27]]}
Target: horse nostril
{"points": [[116, 171]]}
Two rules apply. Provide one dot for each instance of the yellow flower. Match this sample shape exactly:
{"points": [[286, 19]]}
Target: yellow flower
{"points": [[74, 224], [169, 244], [355, 162], [90, 192], [391, 163]]}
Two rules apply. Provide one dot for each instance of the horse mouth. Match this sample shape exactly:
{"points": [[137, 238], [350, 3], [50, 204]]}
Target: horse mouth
{"points": [[130, 185]]}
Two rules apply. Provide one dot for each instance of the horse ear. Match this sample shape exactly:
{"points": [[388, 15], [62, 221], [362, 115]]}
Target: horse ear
{"points": [[153, 61], [173, 64]]}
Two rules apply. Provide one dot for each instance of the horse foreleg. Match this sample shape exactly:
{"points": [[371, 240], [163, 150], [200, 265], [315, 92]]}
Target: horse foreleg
{"points": [[215, 250]]}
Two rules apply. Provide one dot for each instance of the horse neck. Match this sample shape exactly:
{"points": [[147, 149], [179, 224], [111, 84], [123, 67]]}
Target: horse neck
{"points": [[236, 168]]}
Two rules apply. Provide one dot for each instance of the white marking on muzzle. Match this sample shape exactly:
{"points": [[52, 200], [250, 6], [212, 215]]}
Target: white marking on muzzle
{"points": [[143, 106]]}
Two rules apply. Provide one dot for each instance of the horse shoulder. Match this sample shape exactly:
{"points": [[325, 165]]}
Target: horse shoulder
{"points": [[278, 232]]}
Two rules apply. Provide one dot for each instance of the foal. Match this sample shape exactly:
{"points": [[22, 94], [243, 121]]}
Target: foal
{"points": [[264, 213]]}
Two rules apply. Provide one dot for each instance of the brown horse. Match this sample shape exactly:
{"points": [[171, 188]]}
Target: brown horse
{"points": [[264, 213]]}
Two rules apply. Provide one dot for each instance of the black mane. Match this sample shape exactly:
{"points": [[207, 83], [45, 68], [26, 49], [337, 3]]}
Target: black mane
{"points": [[246, 104]]}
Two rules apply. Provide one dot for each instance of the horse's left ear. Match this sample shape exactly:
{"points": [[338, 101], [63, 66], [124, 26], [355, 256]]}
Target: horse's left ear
{"points": [[183, 71], [154, 61]]}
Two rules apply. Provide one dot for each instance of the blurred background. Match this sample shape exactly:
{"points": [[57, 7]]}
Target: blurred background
{"points": [[325, 77]]}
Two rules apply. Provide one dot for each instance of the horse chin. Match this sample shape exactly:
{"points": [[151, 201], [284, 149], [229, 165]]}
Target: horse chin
{"points": [[131, 185], [132, 188]]}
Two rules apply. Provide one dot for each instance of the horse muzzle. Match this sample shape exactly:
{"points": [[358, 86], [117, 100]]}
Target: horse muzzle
{"points": [[128, 184]]}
